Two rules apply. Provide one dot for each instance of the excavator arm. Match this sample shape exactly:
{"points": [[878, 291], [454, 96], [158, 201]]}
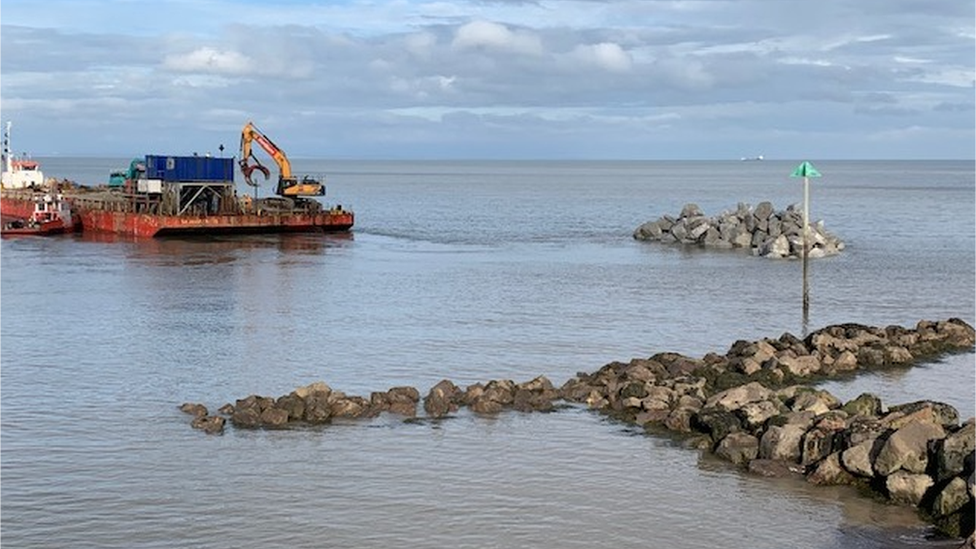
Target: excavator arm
{"points": [[288, 184]]}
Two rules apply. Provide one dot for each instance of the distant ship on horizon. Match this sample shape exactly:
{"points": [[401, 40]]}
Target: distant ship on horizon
{"points": [[752, 158]]}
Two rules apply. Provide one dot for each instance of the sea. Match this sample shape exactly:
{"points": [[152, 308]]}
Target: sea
{"points": [[468, 271]]}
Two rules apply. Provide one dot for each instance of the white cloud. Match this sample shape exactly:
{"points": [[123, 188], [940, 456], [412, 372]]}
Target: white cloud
{"points": [[420, 44], [606, 55], [210, 61], [498, 37]]}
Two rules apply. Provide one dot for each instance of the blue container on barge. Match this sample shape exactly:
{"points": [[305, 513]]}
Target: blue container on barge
{"points": [[189, 168]]}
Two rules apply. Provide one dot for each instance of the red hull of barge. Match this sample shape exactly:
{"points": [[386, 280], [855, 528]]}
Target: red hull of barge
{"points": [[20, 205], [147, 225]]}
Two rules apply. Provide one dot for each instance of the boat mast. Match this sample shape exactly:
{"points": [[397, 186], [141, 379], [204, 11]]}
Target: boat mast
{"points": [[7, 162]]}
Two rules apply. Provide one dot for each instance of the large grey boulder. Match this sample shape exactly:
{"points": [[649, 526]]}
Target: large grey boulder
{"points": [[782, 442], [859, 459], [734, 398], [907, 448]]}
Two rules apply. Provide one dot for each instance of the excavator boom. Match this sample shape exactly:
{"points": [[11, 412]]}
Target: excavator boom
{"points": [[288, 185]]}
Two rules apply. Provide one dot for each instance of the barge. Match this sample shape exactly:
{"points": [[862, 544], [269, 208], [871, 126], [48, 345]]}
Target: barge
{"points": [[161, 195], [154, 207]]}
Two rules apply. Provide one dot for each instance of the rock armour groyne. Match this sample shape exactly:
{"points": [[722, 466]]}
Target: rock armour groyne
{"points": [[754, 405], [763, 230]]}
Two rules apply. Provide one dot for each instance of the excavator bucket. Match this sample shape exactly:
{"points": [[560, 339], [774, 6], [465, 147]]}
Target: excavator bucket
{"points": [[248, 169]]}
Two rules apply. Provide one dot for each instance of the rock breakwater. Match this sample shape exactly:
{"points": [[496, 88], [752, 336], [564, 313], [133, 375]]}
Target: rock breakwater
{"points": [[762, 230], [756, 406]]}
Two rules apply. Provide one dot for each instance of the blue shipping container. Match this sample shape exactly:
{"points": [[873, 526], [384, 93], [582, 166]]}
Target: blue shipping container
{"points": [[189, 168]]}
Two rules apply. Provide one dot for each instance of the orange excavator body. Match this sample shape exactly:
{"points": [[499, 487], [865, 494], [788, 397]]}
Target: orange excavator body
{"points": [[288, 184]]}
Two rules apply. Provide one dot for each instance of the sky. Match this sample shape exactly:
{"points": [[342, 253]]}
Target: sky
{"points": [[502, 79]]}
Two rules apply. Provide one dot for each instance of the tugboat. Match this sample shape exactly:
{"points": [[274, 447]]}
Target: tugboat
{"points": [[51, 215]]}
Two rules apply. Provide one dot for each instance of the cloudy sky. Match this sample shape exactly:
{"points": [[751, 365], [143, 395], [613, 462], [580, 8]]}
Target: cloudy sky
{"points": [[593, 79]]}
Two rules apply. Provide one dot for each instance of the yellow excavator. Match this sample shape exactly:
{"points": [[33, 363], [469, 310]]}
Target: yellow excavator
{"points": [[288, 185]]}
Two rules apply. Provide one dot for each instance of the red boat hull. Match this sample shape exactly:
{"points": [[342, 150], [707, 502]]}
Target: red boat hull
{"points": [[20, 205], [45, 229], [148, 225]]}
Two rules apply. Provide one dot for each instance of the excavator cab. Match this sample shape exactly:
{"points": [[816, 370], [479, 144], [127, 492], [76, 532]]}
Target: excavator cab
{"points": [[304, 187]]}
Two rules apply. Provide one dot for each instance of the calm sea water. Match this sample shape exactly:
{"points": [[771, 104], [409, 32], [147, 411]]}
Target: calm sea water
{"points": [[469, 271]]}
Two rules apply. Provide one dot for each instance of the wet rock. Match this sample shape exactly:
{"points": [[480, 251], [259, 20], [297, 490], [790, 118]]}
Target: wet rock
{"points": [[254, 402], [950, 453], [782, 442], [972, 482], [349, 407], [718, 423], [958, 524], [861, 429], [576, 389], [680, 420], [246, 417], [212, 425], [536, 395], [293, 405], [677, 364], [812, 400], [755, 414], [648, 418], [739, 448], [816, 445], [403, 400], [906, 487], [830, 472], [273, 417], [442, 399], [318, 409], [195, 410], [846, 361], [953, 497], [866, 404], [490, 398], [486, 406]]}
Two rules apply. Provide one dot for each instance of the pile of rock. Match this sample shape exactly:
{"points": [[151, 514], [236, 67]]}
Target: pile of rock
{"points": [[764, 231], [747, 406], [752, 405], [319, 404]]}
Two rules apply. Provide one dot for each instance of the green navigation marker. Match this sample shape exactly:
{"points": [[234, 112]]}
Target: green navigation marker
{"points": [[805, 170]]}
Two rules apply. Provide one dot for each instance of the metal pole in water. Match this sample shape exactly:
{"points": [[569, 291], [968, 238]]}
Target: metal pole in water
{"points": [[806, 253], [806, 171]]}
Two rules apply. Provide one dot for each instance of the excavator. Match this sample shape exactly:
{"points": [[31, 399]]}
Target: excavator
{"points": [[288, 184]]}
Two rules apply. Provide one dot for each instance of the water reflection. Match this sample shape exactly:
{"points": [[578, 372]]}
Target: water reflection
{"points": [[216, 249]]}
